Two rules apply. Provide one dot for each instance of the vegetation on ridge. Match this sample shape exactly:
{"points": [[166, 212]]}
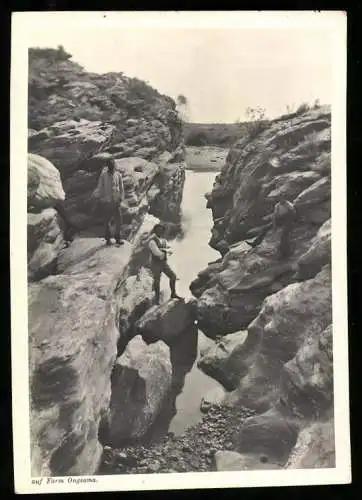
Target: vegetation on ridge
{"points": [[60, 88]]}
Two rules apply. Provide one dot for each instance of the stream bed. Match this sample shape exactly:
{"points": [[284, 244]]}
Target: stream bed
{"points": [[183, 438], [192, 254]]}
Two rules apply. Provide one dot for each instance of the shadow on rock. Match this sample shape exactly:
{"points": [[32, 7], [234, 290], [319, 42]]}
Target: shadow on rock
{"points": [[183, 356], [182, 353]]}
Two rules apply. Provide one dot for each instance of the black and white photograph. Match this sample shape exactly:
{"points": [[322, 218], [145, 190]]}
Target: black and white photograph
{"points": [[178, 193]]}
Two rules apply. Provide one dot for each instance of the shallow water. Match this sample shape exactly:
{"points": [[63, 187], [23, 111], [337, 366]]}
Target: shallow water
{"points": [[191, 255]]}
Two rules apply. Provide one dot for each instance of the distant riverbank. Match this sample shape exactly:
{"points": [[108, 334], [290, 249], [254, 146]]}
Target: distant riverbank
{"points": [[205, 158]]}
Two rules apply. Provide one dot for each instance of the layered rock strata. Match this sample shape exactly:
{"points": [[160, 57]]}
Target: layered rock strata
{"points": [[272, 318]]}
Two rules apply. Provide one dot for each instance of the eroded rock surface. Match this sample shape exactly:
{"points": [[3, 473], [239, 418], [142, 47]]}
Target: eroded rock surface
{"points": [[166, 204], [224, 361], [82, 316], [284, 367], [315, 447], [82, 118], [270, 434], [136, 297], [287, 319], [69, 143], [289, 157], [141, 379], [44, 224], [73, 332], [165, 321], [233, 461], [45, 241], [45, 188], [317, 255]]}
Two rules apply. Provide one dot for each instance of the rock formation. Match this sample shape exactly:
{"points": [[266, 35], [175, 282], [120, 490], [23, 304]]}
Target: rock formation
{"points": [[234, 461], [290, 157], [81, 118], [141, 380], [45, 241], [225, 360], [73, 319], [314, 447], [165, 322], [45, 234], [100, 367], [282, 365], [84, 299], [45, 188]]}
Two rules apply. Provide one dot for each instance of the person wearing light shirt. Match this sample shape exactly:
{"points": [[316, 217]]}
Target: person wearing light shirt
{"points": [[159, 250], [110, 192]]}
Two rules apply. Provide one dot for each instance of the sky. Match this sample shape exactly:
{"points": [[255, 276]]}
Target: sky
{"points": [[220, 71]]}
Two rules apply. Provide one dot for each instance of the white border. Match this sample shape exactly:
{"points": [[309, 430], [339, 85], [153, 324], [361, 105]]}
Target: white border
{"points": [[22, 25]]}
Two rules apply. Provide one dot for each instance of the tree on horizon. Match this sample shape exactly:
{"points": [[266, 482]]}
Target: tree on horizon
{"points": [[182, 103]]}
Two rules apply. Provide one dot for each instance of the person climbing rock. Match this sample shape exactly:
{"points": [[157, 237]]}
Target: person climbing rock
{"points": [[284, 216], [159, 250], [110, 193]]}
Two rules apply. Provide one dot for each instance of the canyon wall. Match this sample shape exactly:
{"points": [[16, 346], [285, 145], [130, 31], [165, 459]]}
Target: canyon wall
{"points": [[84, 298], [272, 317], [77, 119]]}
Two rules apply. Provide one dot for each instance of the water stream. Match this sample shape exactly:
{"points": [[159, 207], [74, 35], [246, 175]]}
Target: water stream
{"points": [[191, 254]]}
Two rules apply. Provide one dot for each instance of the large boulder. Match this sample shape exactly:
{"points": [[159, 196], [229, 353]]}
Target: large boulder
{"points": [[268, 434], [318, 255], [225, 361], [166, 321], [233, 461], [307, 379], [315, 447], [69, 143], [230, 292], [287, 318], [45, 242], [73, 320], [232, 297], [136, 297], [141, 380], [45, 188]]}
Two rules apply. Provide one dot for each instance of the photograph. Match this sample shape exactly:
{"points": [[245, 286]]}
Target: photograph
{"points": [[178, 211]]}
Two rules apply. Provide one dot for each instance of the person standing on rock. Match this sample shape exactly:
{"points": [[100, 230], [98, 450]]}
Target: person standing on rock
{"points": [[159, 251], [284, 217], [110, 193]]}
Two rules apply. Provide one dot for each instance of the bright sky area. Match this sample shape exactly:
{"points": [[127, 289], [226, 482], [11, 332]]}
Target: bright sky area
{"points": [[220, 71]]}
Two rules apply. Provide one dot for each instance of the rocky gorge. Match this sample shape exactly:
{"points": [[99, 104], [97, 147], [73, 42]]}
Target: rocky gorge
{"points": [[270, 320], [103, 358], [275, 353], [83, 299]]}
